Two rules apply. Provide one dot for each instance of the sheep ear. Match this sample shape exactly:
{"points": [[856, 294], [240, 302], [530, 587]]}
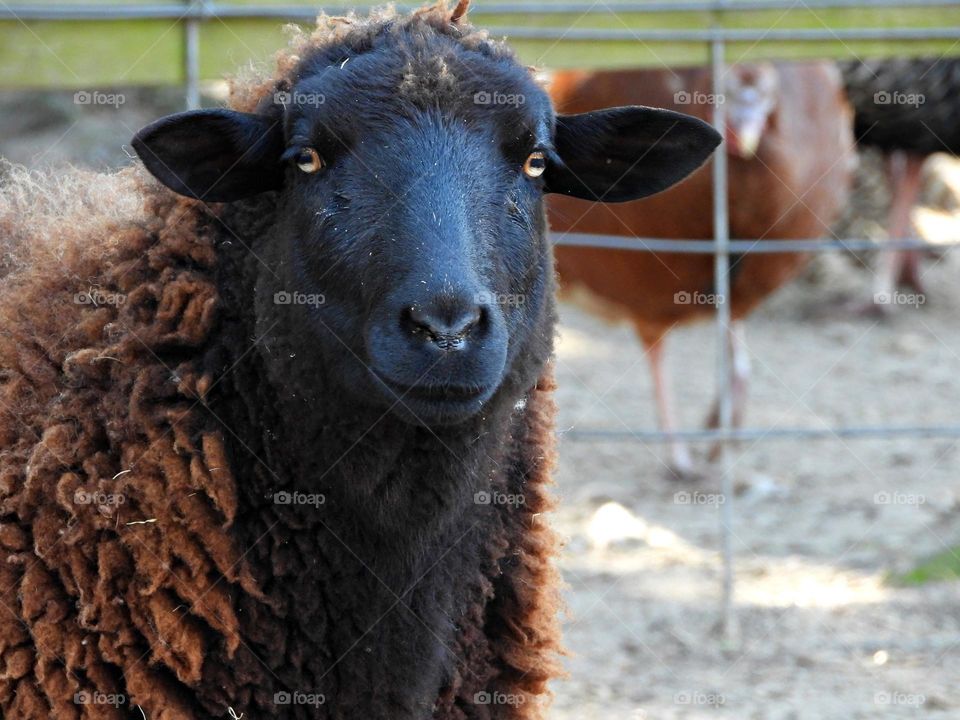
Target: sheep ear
{"points": [[626, 153], [213, 155]]}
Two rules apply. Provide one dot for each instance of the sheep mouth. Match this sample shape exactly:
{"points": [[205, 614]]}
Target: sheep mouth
{"points": [[428, 404], [436, 393]]}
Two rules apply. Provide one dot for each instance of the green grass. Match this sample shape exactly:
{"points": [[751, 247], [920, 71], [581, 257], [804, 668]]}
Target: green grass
{"points": [[102, 53], [941, 567]]}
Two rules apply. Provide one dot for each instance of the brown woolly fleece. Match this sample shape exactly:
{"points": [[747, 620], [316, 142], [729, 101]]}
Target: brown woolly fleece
{"points": [[121, 571]]}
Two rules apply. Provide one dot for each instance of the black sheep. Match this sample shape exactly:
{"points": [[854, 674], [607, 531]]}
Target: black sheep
{"points": [[907, 108], [286, 456]]}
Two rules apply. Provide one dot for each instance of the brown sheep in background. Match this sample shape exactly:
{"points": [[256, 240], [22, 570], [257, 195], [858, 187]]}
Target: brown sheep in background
{"points": [[790, 154]]}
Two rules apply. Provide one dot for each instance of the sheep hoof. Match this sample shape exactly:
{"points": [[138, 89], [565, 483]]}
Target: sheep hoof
{"points": [[684, 473], [867, 309]]}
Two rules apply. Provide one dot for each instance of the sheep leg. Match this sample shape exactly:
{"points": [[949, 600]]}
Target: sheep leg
{"points": [[740, 367], [899, 267], [681, 464], [908, 274]]}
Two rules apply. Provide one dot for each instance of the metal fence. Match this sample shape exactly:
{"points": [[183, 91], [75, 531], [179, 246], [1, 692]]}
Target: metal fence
{"points": [[717, 38]]}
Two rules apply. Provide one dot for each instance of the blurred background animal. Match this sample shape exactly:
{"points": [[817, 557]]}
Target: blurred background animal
{"points": [[789, 145], [907, 108]]}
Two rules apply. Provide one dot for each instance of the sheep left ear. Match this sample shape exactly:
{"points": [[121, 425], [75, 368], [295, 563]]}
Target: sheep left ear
{"points": [[626, 153], [213, 155]]}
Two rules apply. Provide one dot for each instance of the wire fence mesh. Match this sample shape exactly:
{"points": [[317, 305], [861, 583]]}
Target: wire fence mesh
{"points": [[194, 14]]}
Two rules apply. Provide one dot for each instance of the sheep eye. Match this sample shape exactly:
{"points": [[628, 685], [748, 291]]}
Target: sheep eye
{"points": [[308, 160], [535, 164]]}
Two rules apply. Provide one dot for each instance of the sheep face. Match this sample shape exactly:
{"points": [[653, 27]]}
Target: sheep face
{"points": [[409, 178], [752, 93]]}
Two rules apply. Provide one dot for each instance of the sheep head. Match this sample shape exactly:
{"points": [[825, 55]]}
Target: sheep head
{"points": [[408, 161]]}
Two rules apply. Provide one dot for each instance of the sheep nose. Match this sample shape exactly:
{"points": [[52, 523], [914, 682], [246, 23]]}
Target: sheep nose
{"points": [[445, 322]]}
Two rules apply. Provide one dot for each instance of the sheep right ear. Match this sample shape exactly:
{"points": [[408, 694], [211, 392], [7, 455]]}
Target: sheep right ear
{"points": [[626, 153], [213, 155]]}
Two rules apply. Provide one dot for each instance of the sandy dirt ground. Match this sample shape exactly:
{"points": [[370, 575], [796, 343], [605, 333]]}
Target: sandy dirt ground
{"points": [[818, 527], [819, 524]]}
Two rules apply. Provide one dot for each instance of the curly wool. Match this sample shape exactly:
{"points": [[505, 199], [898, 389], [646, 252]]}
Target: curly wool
{"points": [[114, 500], [122, 581]]}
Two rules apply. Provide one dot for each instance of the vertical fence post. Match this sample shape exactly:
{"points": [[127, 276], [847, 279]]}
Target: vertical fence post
{"points": [[191, 58], [721, 229]]}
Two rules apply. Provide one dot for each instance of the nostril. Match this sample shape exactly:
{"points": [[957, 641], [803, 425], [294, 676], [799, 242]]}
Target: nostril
{"points": [[469, 320], [448, 330]]}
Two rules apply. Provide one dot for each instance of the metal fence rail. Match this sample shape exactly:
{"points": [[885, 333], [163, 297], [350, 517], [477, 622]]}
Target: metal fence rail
{"points": [[709, 247], [209, 10], [864, 432], [715, 35]]}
